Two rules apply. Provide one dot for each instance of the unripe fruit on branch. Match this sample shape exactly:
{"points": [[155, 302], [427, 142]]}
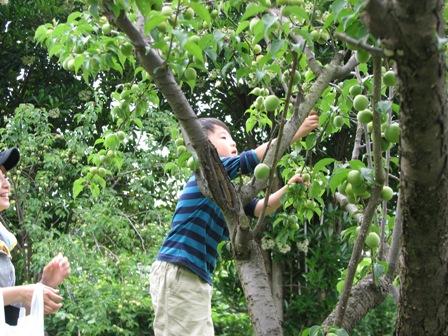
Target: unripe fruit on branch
{"points": [[355, 90], [362, 56], [179, 141], [365, 116], [192, 163], [271, 103], [306, 177], [389, 78], [190, 74], [262, 171], [360, 102], [387, 193], [392, 133], [372, 240], [181, 149], [338, 121], [354, 177]]}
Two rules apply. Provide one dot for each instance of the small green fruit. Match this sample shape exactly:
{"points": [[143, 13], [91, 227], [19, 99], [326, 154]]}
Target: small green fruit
{"points": [[257, 49], [262, 171], [362, 56], [355, 90], [253, 23], [179, 142], [190, 74], [102, 171], [214, 13], [306, 177], [167, 10], [372, 240], [315, 35], [389, 78], [71, 64], [271, 103], [192, 163], [163, 26], [181, 149], [121, 135], [338, 121], [189, 13], [93, 170], [370, 127], [360, 102], [365, 116], [106, 29], [354, 177], [392, 133], [387, 193]]}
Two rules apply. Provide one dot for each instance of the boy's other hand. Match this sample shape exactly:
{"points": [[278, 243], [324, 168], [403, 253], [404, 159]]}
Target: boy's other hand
{"points": [[310, 123]]}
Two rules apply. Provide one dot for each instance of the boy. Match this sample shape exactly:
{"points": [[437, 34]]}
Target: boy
{"points": [[181, 277]]}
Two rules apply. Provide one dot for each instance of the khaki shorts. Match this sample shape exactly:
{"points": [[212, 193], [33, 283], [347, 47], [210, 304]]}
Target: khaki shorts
{"points": [[181, 301]]}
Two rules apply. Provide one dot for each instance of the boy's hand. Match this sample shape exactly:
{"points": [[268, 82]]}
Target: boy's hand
{"points": [[56, 271], [297, 178], [310, 123]]}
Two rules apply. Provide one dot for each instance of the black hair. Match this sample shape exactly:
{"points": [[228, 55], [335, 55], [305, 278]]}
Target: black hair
{"points": [[208, 124]]}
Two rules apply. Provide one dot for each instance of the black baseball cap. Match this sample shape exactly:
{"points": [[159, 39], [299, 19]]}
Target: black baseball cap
{"points": [[9, 158]]}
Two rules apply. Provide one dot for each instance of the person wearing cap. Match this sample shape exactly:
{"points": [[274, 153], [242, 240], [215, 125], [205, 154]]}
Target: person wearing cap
{"points": [[53, 273]]}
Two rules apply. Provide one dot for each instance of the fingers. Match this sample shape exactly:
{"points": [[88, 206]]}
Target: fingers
{"points": [[52, 300]]}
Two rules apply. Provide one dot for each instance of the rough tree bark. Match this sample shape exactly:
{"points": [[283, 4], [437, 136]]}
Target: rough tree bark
{"points": [[410, 29]]}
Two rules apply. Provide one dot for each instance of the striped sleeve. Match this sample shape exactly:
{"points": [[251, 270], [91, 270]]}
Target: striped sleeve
{"points": [[242, 164], [249, 208]]}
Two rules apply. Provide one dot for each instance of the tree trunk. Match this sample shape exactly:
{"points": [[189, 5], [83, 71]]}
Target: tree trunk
{"points": [[411, 28], [257, 291], [277, 287]]}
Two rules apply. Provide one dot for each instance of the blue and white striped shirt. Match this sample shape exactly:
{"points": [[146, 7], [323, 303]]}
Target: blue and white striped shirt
{"points": [[198, 224]]}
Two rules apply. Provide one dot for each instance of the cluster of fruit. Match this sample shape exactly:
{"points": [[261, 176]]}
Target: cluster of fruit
{"points": [[355, 186], [265, 101], [181, 149]]}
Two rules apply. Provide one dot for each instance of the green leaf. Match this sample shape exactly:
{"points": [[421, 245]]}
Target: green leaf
{"points": [[201, 11], [297, 11], [321, 164], [79, 60], [78, 186], [241, 26], [111, 141], [41, 33], [73, 16], [154, 19], [336, 179], [250, 123], [337, 6], [144, 6], [94, 189], [194, 50], [252, 11], [356, 164]]}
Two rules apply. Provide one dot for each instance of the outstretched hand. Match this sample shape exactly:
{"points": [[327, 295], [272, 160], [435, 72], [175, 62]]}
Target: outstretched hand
{"points": [[310, 123], [56, 271]]}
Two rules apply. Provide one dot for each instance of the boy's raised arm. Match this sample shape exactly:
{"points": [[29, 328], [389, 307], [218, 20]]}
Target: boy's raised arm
{"points": [[310, 123]]}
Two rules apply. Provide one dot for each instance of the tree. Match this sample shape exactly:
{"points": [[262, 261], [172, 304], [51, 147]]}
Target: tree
{"points": [[264, 46]]}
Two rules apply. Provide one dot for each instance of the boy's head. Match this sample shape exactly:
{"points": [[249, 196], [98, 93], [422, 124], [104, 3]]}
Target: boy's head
{"points": [[219, 135]]}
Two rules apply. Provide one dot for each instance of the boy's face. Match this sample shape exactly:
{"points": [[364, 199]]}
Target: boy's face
{"points": [[222, 141]]}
